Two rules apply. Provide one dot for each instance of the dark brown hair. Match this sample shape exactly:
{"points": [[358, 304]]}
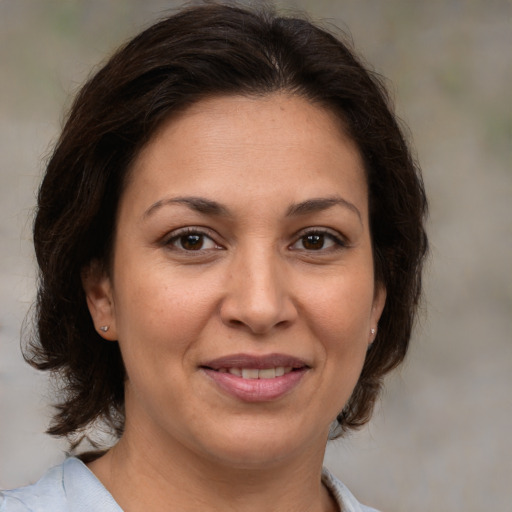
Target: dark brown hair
{"points": [[199, 52]]}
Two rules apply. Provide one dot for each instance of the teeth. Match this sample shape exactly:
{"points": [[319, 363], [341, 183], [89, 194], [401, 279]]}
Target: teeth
{"points": [[254, 373], [250, 373], [269, 373]]}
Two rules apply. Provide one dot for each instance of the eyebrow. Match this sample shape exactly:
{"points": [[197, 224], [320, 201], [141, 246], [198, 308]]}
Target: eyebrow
{"points": [[199, 204], [209, 207], [321, 204]]}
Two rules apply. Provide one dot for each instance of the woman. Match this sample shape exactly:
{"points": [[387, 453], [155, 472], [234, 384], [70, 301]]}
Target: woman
{"points": [[230, 241]]}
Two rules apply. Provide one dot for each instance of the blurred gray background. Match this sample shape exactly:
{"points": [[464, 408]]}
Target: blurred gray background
{"points": [[441, 437]]}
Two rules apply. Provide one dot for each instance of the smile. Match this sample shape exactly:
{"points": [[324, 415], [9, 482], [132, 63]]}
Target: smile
{"points": [[256, 378], [254, 373]]}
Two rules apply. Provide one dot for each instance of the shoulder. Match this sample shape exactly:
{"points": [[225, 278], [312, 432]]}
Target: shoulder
{"points": [[47, 492], [68, 487], [345, 499]]}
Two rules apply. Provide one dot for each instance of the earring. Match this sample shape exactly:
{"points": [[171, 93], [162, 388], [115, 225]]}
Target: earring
{"points": [[373, 331], [104, 328]]}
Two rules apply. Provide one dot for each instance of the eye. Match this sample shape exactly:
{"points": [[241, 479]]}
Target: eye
{"points": [[318, 240], [192, 240]]}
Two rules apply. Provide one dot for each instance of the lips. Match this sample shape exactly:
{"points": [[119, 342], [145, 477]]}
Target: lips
{"points": [[255, 373], [256, 378], [255, 362]]}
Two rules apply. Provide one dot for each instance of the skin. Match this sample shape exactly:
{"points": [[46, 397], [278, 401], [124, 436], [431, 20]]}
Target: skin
{"points": [[252, 282]]}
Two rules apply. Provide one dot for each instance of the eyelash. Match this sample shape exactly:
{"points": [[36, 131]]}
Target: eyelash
{"points": [[338, 242], [190, 231]]}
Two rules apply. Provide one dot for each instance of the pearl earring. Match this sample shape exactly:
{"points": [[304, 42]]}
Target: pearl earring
{"points": [[373, 331], [104, 328]]}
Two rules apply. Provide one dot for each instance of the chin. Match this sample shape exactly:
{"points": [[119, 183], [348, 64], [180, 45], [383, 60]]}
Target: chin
{"points": [[258, 446]]}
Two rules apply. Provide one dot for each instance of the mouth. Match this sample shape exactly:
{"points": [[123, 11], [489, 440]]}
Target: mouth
{"points": [[255, 373], [256, 367], [256, 378]]}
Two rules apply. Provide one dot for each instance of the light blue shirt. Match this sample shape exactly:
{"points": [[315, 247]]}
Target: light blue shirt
{"points": [[72, 487]]}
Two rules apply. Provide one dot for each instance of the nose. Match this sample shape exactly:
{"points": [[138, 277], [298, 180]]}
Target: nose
{"points": [[258, 296]]}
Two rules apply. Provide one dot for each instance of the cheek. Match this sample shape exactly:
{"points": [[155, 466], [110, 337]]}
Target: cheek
{"points": [[159, 312], [342, 307], [340, 318]]}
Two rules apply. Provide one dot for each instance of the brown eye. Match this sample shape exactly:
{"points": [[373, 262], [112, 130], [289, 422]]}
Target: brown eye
{"points": [[191, 242], [313, 242], [319, 241]]}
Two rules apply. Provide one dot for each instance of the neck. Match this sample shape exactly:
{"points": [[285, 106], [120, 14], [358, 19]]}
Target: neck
{"points": [[142, 476]]}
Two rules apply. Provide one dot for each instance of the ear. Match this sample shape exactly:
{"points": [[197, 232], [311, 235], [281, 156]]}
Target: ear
{"points": [[379, 301], [98, 292]]}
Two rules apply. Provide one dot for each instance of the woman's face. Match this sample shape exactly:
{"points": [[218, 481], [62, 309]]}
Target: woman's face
{"points": [[242, 291]]}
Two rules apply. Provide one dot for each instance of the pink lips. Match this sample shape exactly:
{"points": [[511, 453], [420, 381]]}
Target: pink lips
{"points": [[255, 389]]}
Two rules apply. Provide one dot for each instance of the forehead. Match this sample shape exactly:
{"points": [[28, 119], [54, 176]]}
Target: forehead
{"points": [[250, 147], [292, 118]]}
